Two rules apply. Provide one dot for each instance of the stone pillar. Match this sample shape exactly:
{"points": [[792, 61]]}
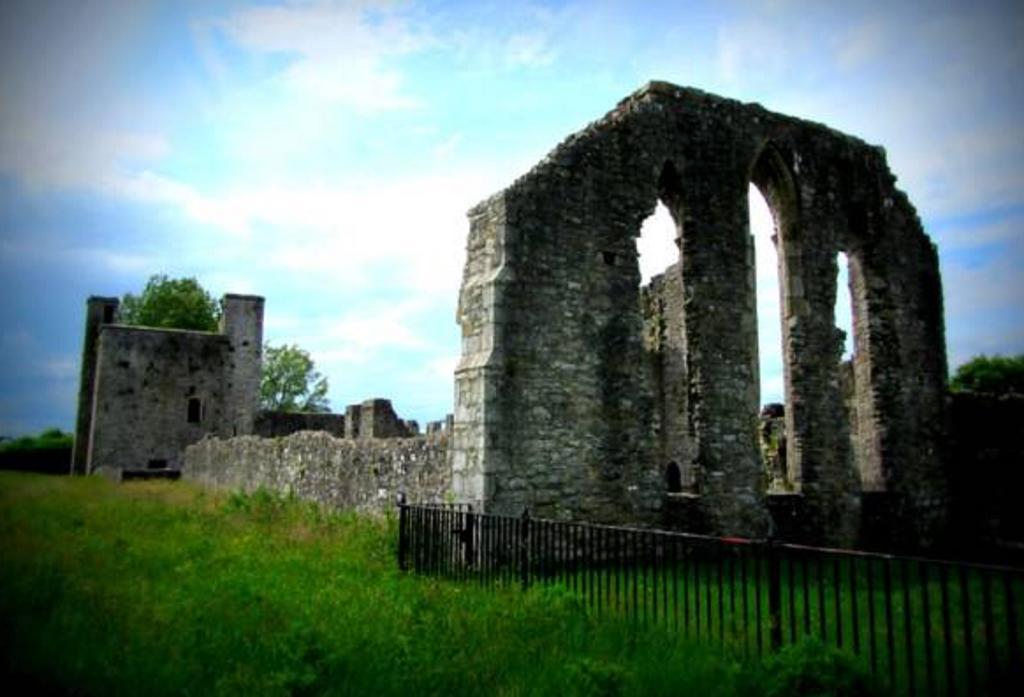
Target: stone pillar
{"points": [[819, 461], [242, 323], [353, 421], [906, 354], [98, 311], [721, 340], [378, 420], [476, 456]]}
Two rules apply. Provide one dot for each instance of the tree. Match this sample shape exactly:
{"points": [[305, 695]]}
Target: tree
{"points": [[171, 303], [290, 381], [993, 375]]}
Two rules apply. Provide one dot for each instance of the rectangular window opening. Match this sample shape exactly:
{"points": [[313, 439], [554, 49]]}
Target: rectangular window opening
{"points": [[195, 410]]}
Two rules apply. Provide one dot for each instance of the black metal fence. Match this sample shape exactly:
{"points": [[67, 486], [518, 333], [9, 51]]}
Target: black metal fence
{"points": [[925, 626]]}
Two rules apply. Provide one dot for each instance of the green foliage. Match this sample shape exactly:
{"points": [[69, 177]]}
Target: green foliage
{"points": [[161, 588], [290, 381], [50, 439], [813, 668], [993, 375], [171, 303]]}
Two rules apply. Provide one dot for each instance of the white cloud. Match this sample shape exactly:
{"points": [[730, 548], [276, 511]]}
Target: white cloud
{"points": [[337, 52]]}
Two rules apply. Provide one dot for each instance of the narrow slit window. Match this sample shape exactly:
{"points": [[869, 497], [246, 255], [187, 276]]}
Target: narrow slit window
{"points": [[673, 478], [195, 410]]}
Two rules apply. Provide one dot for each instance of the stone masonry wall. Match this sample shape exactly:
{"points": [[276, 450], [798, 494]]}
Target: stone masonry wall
{"points": [[149, 392], [98, 311], [144, 381], [567, 402], [365, 475]]}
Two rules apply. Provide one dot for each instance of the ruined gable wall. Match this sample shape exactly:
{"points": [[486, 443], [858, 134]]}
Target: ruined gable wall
{"points": [[556, 407], [365, 474], [145, 378]]}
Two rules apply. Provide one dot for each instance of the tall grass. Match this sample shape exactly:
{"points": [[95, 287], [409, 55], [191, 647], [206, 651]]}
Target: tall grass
{"points": [[161, 588]]}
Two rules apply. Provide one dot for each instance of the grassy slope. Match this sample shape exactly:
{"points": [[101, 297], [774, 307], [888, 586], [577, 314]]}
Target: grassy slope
{"points": [[162, 588]]}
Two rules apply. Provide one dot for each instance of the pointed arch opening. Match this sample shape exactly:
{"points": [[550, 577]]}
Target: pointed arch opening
{"points": [[775, 261], [662, 308]]}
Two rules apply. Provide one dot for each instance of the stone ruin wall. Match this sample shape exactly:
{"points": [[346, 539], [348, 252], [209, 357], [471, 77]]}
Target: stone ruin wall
{"points": [[361, 460], [569, 399], [373, 418], [147, 393], [366, 474]]}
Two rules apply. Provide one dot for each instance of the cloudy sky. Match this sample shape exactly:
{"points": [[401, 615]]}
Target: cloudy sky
{"points": [[324, 155]]}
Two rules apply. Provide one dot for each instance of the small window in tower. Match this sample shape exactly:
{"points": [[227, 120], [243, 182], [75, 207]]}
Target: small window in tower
{"points": [[609, 258], [195, 410], [108, 314], [673, 478]]}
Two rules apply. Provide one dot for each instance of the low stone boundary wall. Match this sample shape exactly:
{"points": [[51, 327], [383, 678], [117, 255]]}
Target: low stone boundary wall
{"points": [[365, 475]]}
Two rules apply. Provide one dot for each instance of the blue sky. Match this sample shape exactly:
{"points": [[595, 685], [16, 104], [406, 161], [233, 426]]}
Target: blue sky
{"points": [[324, 155]]}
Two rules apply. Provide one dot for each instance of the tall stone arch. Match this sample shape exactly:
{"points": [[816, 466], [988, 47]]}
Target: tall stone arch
{"points": [[576, 386]]}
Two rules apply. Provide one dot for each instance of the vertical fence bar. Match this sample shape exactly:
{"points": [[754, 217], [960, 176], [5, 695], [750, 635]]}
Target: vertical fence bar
{"points": [[908, 630], [746, 602], [929, 665], [854, 614], [698, 588], [664, 539], [606, 545], [687, 563], [591, 558], [774, 596], [633, 573], [524, 549], [990, 630], [968, 625], [446, 541], [757, 598], [655, 571], [820, 578], [620, 556], [947, 638], [791, 594], [890, 642], [719, 553], [838, 597], [804, 566], [675, 583], [403, 536], [425, 544], [1011, 624], [732, 592], [872, 651], [645, 567], [707, 590]]}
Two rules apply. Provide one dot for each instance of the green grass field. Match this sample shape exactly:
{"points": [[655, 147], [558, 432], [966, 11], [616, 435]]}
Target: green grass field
{"points": [[162, 588]]}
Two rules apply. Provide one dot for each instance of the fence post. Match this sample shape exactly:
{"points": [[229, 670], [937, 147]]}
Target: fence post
{"points": [[403, 534], [524, 548], [469, 530], [774, 595]]}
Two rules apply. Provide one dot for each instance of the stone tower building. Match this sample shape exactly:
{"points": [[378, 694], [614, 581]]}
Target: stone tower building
{"points": [[146, 394], [580, 394]]}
